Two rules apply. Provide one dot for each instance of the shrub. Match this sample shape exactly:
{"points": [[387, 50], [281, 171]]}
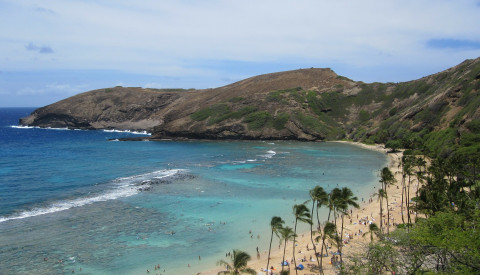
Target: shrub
{"points": [[201, 114], [364, 115], [257, 120], [279, 122]]}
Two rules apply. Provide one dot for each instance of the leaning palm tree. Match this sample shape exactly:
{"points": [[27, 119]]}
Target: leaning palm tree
{"points": [[372, 229], [276, 224], [320, 197], [286, 234], [301, 213], [238, 264]]}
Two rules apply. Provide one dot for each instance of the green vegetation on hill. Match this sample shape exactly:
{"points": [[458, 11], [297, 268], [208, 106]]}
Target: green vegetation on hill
{"points": [[435, 111]]}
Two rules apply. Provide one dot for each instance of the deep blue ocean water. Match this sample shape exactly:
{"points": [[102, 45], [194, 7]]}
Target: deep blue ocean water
{"points": [[73, 200]]}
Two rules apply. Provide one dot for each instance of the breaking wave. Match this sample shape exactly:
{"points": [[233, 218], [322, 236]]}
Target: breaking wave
{"points": [[122, 187]]}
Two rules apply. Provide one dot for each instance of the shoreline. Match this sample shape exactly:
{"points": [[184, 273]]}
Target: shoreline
{"points": [[369, 209]]}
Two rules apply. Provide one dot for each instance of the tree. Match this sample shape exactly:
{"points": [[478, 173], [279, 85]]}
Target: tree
{"points": [[286, 234], [393, 145], [372, 229], [319, 197], [406, 170], [345, 200], [454, 238], [379, 258], [301, 213], [276, 224], [387, 178], [330, 202], [238, 265], [380, 195]]}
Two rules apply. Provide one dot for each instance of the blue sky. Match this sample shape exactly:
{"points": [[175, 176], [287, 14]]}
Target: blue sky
{"points": [[50, 50]]}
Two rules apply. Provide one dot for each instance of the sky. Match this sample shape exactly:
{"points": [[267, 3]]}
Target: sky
{"points": [[53, 49]]}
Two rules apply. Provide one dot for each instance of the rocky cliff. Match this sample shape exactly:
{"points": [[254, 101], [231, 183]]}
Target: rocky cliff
{"points": [[306, 104]]}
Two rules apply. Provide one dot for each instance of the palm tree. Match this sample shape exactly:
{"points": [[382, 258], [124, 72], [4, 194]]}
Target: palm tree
{"points": [[238, 265], [286, 234], [301, 213], [373, 229], [387, 178], [276, 224], [330, 202], [420, 163], [380, 195], [345, 200], [330, 232], [406, 167], [320, 197]]}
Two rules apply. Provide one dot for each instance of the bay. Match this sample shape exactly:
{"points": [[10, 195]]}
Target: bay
{"points": [[73, 200]]}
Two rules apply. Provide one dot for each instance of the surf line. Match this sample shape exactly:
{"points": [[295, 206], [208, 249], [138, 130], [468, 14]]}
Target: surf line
{"points": [[124, 187]]}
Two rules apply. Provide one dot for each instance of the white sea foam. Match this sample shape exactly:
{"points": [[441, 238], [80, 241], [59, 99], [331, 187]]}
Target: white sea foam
{"points": [[123, 187], [58, 129], [23, 127], [269, 154], [127, 131], [74, 129]]}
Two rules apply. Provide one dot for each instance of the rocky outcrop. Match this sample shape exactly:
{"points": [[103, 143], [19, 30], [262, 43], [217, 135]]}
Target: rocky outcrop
{"points": [[112, 108]]}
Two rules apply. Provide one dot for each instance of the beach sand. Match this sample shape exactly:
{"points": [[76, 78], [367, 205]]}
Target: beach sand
{"points": [[357, 245]]}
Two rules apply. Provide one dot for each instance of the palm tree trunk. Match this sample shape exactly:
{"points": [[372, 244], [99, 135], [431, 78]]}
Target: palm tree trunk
{"points": [[323, 243], [381, 214], [408, 201], [269, 249], [341, 242], [295, 260], [284, 249], [388, 214], [416, 194], [403, 193], [311, 235], [318, 219]]}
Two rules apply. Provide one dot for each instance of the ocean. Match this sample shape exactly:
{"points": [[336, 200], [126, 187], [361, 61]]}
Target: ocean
{"points": [[80, 201]]}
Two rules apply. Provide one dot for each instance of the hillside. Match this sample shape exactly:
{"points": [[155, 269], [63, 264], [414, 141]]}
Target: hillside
{"points": [[306, 104]]}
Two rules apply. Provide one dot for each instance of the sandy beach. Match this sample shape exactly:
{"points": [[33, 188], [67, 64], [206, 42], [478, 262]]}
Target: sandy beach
{"points": [[369, 211]]}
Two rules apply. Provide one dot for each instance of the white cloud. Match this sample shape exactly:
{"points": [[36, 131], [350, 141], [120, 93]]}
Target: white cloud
{"points": [[171, 38]]}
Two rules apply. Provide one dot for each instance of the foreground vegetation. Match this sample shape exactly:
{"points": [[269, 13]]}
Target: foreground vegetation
{"points": [[447, 240]]}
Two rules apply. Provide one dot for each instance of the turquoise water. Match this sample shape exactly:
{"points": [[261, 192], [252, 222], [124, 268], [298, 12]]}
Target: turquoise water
{"points": [[72, 200]]}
